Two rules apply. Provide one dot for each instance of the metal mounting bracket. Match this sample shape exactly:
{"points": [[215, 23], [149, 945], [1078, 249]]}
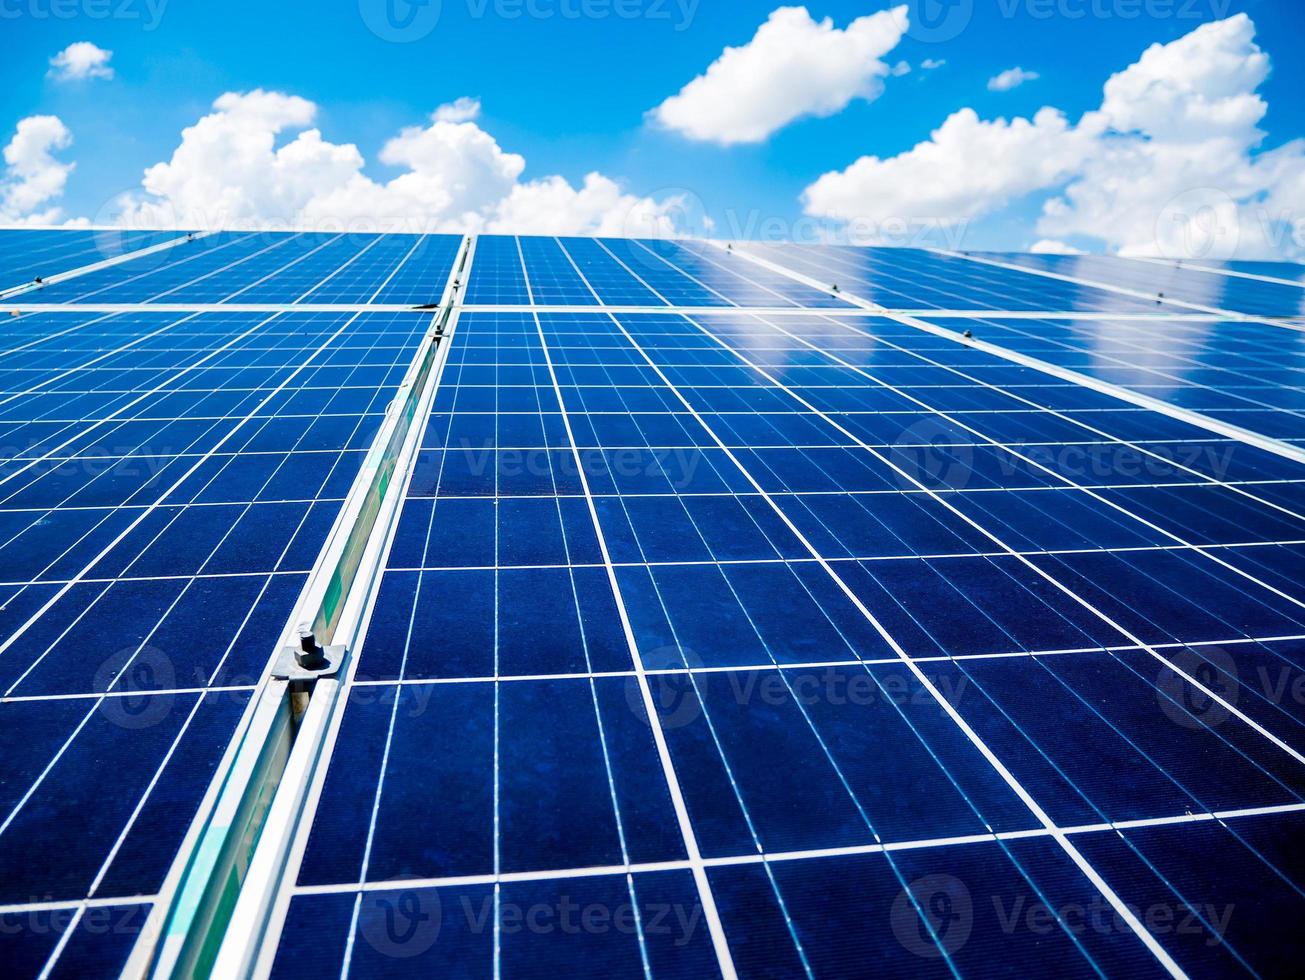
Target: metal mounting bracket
{"points": [[288, 667]]}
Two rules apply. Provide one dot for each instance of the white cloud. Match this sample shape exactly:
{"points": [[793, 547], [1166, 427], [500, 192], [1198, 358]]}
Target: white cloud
{"points": [[793, 67], [33, 177], [553, 207], [254, 161], [461, 110], [1170, 164], [939, 179], [929, 64], [1011, 78], [80, 61], [900, 69], [1049, 246], [1195, 88], [1176, 170]]}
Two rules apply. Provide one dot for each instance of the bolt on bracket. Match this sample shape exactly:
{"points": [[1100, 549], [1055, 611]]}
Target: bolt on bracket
{"points": [[309, 661]]}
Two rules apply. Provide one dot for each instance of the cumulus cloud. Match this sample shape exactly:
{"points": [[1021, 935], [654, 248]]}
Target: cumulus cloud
{"points": [[795, 66], [256, 161], [941, 180], [1011, 78], [80, 61], [1170, 164], [553, 207], [461, 110], [1176, 169], [929, 64], [33, 177]]}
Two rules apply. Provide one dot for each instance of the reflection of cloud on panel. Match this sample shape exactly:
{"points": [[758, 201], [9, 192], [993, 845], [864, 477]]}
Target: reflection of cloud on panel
{"points": [[1159, 364]]}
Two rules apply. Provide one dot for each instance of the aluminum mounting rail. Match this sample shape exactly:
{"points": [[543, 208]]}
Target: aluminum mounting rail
{"points": [[229, 863]]}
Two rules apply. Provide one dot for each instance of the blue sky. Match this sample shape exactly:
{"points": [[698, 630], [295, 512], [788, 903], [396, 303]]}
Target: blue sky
{"points": [[571, 91]]}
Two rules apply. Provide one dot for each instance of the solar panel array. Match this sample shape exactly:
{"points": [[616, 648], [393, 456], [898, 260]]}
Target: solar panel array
{"points": [[759, 611]]}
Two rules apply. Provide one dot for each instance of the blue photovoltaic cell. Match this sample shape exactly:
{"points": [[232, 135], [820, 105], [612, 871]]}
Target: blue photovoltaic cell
{"points": [[611, 280], [144, 278], [497, 278], [587, 272], [374, 262], [749, 635], [277, 269], [1196, 286], [911, 279], [24, 255], [742, 282], [1249, 374], [96, 944], [610, 272], [348, 269], [669, 282], [554, 278], [166, 482], [419, 281], [1290, 271], [286, 273]]}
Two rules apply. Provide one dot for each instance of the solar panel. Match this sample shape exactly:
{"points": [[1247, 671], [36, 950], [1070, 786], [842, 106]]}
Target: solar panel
{"points": [[701, 618]]}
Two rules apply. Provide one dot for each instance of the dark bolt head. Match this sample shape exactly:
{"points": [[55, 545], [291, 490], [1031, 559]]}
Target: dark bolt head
{"points": [[309, 655]]}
